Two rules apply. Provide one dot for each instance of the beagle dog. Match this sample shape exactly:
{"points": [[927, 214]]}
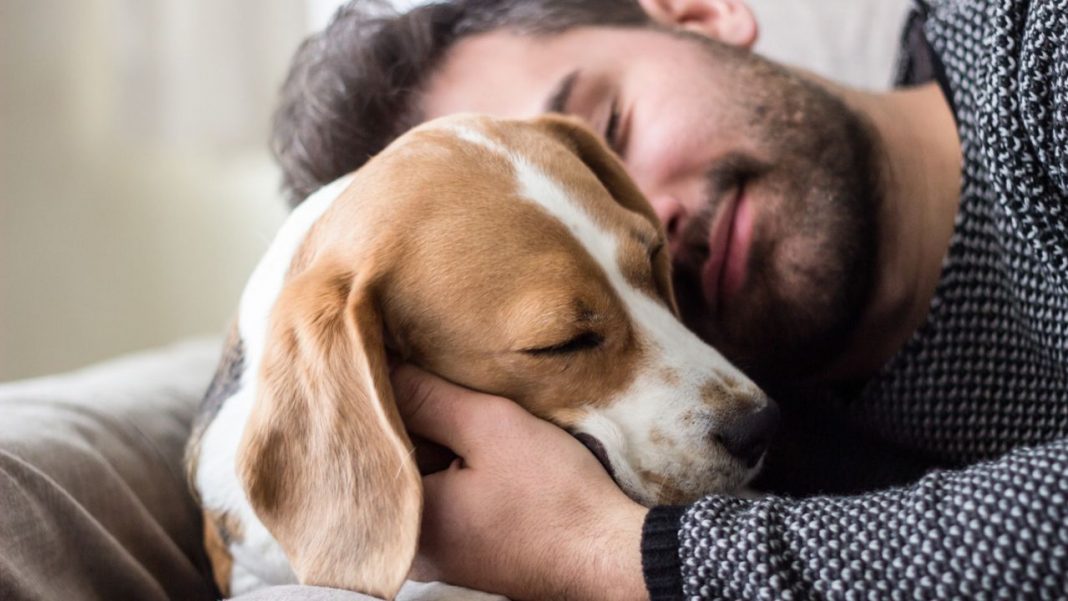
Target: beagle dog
{"points": [[510, 257]]}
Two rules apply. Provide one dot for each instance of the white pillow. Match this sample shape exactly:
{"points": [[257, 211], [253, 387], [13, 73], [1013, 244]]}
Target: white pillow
{"points": [[851, 41]]}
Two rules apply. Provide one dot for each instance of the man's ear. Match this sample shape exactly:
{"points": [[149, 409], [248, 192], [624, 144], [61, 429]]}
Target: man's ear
{"points": [[728, 21]]}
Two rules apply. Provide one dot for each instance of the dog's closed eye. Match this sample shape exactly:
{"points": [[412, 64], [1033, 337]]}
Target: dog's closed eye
{"points": [[576, 344]]}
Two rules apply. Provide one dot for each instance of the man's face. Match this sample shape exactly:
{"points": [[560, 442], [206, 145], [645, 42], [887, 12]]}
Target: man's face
{"points": [[765, 182]]}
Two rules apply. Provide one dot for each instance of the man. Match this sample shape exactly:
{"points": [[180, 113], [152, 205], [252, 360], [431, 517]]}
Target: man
{"points": [[900, 260]]}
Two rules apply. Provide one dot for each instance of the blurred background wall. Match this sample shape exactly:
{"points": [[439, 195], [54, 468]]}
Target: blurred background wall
{"points": [[136, 191]]}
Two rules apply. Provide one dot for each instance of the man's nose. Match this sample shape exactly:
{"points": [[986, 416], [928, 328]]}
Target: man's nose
{"points": [[671, 213], [747, 436]]}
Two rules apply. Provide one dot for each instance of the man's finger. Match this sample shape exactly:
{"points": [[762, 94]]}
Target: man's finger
{"points": [[437, 409]]}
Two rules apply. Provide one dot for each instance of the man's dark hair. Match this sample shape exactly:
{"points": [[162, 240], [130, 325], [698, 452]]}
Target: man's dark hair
{"points": [[353, 87]]}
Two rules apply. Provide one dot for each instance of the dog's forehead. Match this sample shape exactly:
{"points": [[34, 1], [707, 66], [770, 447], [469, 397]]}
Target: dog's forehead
{"points": [[531, 152], [483, 216], [456, 184], [477, 160]]}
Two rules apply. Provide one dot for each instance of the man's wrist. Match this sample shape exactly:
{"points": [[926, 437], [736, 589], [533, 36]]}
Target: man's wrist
{"points": [[615, 572], [631, 583]]}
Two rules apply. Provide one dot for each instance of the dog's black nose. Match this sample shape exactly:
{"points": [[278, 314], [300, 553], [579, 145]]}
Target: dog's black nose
{"points": [[748, 435]]}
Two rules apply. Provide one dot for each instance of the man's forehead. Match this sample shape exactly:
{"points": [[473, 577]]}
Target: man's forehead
{"points": [[499, 73], [512, 75]]}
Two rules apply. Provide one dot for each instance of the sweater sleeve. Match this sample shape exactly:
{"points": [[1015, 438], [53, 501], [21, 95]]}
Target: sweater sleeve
{"points": [[1043, 91], [995, 530]]}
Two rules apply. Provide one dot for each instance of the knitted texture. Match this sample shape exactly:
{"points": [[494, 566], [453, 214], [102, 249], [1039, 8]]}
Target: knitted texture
{"points": [[988, 371], [985, 379], [993, 531]]}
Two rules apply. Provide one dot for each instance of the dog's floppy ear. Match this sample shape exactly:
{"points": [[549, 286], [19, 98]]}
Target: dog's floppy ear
{"points": [[589, 148], [325, 459]]}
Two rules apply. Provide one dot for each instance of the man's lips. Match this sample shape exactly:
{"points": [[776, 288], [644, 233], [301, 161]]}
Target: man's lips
{"points": [[724, 271]]}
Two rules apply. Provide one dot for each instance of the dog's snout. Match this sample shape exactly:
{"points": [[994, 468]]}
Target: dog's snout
{"points": [[747, 435]]}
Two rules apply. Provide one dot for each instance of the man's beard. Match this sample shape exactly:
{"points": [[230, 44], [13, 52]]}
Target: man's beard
{"points": [[815, 192]]}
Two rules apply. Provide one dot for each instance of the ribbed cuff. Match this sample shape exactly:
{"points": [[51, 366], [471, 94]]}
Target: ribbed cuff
{"points": [[660, 553]]}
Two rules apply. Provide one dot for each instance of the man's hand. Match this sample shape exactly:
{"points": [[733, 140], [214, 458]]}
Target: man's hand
{"points": [[526, 511]]}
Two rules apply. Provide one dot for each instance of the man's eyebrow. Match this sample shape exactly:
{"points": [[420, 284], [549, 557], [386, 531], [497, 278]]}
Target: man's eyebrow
{"points": [[557, 102]]}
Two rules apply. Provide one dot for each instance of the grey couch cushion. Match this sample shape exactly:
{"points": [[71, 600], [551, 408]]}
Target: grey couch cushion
{"points": [[93, 502]]}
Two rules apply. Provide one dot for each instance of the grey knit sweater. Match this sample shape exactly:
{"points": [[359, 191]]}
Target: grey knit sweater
{"points": [[980, 391]]}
